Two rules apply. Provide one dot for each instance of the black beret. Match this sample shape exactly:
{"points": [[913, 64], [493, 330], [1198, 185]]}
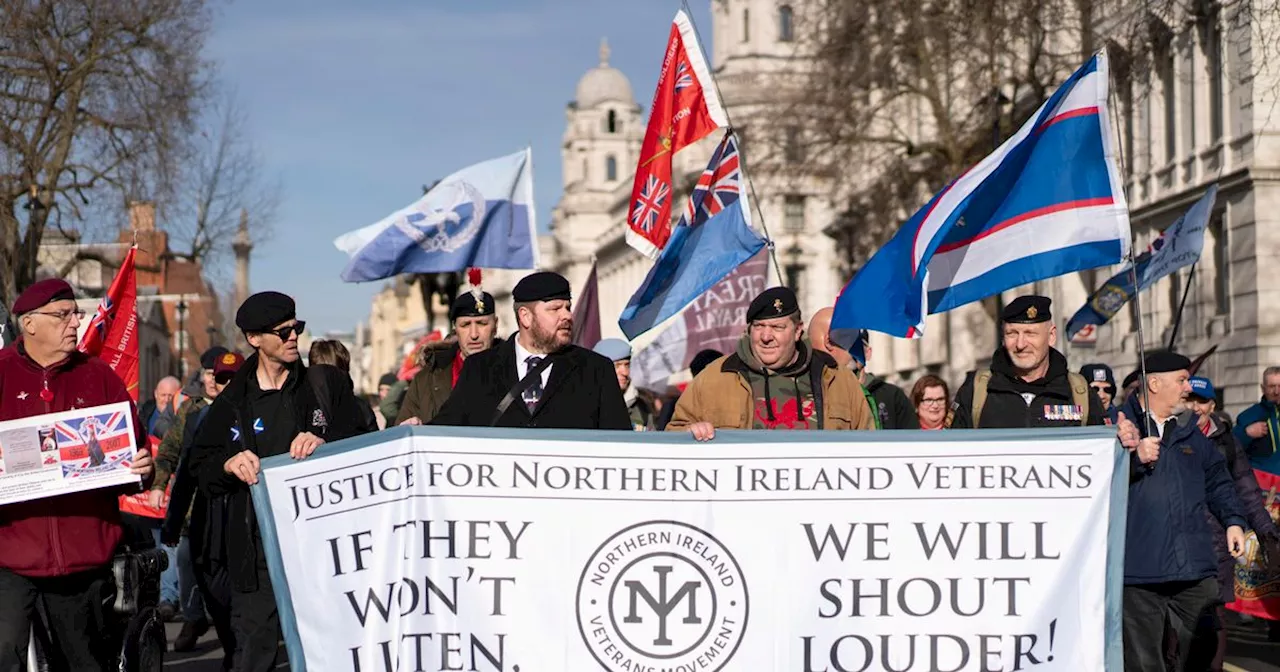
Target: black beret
{"points": [[1029, 309], [42, 294], [1131, 378], [1164, 361], [1098, 373], [388, 379], [467, 305], [773, 302], [209, 358], [265, 310], [542, 286]]}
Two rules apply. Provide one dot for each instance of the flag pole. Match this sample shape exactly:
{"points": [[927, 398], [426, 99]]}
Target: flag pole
{"points": [[1133, 269], [1177, 318], [751, 187]]}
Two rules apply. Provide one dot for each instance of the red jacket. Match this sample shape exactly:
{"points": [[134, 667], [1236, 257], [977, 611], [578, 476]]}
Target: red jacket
{"points": [[55, 536]]}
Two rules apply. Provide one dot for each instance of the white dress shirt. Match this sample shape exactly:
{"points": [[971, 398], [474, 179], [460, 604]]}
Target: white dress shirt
{"points": [[522, 367]]}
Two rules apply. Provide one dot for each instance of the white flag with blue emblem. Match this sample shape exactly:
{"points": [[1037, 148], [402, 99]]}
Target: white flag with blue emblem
{"points": [[479, 217]]}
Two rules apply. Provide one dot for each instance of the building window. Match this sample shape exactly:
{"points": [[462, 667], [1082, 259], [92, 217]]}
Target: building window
{"points": [[785, 25], [1168, 87], [746, 25], [793, 152], [793, 213], [1221, 265], [794, 272], [1129, 113], [611, 122], [610, 168], [1213, 56]]}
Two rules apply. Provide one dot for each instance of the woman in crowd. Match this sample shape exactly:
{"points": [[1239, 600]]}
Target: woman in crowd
{"points": [[932, 399]]}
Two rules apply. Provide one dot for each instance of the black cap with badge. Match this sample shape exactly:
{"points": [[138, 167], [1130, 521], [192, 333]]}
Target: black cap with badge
{"points": [[1098, 373], [773, 302], [471, 304], [1030, 309]]}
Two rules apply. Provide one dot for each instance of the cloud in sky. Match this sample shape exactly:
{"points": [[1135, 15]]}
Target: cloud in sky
{"points": [[357, 105]]}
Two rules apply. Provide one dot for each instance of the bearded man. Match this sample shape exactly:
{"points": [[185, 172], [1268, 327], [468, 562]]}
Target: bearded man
{"points": [[537, 378]]}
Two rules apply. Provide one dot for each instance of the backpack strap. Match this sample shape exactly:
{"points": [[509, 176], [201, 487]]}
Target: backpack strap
{"points": [[815, 381], [1080, 395], [981, 380], [872, 405]]}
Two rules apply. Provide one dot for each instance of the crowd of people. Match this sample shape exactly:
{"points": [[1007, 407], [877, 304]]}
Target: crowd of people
{"points": [[1192, 491]]}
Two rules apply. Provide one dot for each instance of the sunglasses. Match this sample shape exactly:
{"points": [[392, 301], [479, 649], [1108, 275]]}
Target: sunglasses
{"points": [[283, 332]]}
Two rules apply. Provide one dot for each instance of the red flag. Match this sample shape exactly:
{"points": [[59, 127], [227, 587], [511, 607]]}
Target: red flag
{"points": [[1257, 572], [112, 335], [113, 332], [685, 109]]}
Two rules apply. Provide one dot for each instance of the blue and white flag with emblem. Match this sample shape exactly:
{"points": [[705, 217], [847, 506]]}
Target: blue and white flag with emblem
{"points": [[479, 217]]}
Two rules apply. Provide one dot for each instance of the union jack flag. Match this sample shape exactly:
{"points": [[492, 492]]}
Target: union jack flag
{"points": [[101, 319], [93, 443], [648, 207], [684, 78], [719, 186]]}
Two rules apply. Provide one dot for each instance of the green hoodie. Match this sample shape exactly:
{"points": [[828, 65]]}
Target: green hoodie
{"points": [[775, 392]]}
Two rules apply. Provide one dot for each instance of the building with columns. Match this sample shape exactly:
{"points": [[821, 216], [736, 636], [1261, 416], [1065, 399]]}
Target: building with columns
{"points": [[1203, 111]]}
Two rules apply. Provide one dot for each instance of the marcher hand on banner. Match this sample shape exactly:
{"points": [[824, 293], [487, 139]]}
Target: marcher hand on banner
{"points": [[243, 466], [411, 422], [702, 431], [1149, 450], [304, 444], [1235, 541], [1127, 432], [142, 465], [1257, 430]]}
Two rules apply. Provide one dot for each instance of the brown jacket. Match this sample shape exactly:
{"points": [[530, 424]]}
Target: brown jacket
{"points": [[722, 396], [432, 385]]}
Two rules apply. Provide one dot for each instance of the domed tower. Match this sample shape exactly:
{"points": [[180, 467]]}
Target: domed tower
{"points": [[601, 145], [604, 132]]}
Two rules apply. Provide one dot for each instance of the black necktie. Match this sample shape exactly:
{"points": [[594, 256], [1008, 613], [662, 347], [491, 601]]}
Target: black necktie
{"points": [[532, 394]]}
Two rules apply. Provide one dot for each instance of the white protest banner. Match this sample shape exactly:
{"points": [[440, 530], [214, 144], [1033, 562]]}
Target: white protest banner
{"points": [[499, 550], [58, 453]]}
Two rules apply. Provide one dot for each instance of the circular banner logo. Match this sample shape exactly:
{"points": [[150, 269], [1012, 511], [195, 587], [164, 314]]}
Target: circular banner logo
{"points": [[662, 594]]}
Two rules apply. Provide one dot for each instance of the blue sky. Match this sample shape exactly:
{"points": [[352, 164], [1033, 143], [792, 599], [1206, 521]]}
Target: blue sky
{"points": [[355, 105]]}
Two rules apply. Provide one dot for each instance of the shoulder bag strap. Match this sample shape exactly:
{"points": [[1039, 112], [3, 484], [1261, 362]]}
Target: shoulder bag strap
{"points": [[1080, 394], [980, 381], [815, 380], [519, 388]]}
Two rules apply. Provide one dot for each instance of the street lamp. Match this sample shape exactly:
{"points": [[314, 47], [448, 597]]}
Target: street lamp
{"points": [[182, 338]]}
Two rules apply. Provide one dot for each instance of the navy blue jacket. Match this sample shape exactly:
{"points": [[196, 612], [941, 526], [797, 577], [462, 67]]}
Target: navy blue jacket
{"points": [[1168, 536]]}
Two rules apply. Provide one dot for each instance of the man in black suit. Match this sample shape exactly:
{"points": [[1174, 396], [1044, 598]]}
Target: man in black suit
{"points": [[537, 378]]}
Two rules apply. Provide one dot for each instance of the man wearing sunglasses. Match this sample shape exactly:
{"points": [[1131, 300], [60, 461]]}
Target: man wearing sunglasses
{"points": [[55, 552], [270, 407]]}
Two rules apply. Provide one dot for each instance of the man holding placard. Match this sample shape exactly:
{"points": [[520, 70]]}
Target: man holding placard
{"points": [[772, 381], [57, 550], [538, 378], [271, 407]]}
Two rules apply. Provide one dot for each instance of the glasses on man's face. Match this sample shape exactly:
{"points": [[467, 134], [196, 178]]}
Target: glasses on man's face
{"points": [[61, 315], [283, 332]]}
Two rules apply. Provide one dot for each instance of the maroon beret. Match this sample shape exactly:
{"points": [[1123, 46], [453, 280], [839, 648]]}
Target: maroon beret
{"points": [[42, 294]]}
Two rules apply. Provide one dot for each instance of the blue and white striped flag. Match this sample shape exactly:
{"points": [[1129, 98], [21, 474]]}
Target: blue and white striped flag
{"points": [[479, 217], [1049, 201]]}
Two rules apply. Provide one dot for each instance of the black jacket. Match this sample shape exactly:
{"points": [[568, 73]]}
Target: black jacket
{"points": [[581, 393], [1006, 406], [1168, 537], [892, 405], [322, 402]]}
